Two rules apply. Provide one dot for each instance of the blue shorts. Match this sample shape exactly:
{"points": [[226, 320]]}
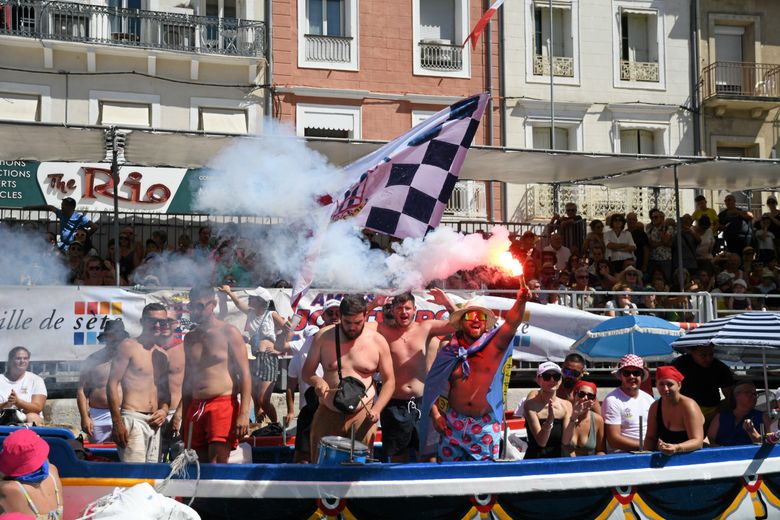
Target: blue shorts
{"points": [[469, 438]]}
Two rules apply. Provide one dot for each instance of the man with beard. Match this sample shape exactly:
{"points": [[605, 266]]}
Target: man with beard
{"points": [[216, 371], [140, 406], [363, 352], [464, 388], [91, 395], [408, 339]]}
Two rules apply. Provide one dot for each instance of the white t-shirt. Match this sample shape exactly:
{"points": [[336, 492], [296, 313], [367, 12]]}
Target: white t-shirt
{"points": [[621, 409], [25, 387], [296, 366], [610, 237]]}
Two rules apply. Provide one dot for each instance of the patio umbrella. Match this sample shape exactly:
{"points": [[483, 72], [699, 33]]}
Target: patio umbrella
{"points": [[752, 338], [646, 336]]}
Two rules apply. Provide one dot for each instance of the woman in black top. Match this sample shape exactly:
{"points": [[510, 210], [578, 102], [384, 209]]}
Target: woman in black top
{"points": [[675, 423]]}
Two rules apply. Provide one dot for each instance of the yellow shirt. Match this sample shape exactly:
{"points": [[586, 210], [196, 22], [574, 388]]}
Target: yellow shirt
{"points": [[711, 214]]}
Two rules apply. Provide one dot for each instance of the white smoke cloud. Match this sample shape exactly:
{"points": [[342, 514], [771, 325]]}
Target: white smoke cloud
{"points": [[33, 260], [279, 176]]}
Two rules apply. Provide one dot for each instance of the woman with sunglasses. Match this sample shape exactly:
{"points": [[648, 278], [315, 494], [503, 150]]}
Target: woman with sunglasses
{"points": [[675, 423], [740, 424], [588, 436], [548, 417]]}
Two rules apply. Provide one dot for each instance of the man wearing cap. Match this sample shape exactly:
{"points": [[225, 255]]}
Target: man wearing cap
{"points": [[463, 390], [263, 325], [675, 423], [31, 484], [91, 394], [408, 340], [705, 379], [625, 408], [307, 399], [363, 353], [137, 389]]}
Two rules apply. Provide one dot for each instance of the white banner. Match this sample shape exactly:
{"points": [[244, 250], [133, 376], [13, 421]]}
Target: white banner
{"points": [[63, 322]]}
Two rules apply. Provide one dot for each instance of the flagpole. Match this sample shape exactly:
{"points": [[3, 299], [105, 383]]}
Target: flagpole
{"points": [[552, 80]]}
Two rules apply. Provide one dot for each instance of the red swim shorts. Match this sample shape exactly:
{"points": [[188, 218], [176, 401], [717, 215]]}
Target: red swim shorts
{"points": [[212, 420]]}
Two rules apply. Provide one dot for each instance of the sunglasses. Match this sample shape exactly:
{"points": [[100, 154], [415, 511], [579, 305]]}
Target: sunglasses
{"points": [[632, 373], [551, 375], [586, 395], [163, 323], [568, 372], [475, 316]]}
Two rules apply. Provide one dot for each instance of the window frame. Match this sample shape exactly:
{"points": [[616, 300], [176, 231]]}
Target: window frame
{"points": [[573, 6], [43, 92], [98, 96], [351, 29], [253, 115], [462, 30], [304, 110], [651, 9]]}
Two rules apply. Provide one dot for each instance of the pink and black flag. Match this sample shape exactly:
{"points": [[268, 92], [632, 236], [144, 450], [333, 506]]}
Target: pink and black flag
{"points": [[475, 34], [404, 186]]}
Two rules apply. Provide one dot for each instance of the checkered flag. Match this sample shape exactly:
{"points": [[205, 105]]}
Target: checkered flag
{"points": [[403, 187]]}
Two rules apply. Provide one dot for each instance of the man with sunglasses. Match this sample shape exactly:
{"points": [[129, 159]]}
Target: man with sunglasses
{"points": [[137, 389], [464, 390], [408, 340], [216, 372], [625, 406]]}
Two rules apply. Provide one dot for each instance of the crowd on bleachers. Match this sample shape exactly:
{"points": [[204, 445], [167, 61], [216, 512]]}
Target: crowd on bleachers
{"points": [[730, 252]]}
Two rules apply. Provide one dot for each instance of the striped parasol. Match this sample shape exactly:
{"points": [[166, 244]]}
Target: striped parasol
{"points": [[749, 337]]}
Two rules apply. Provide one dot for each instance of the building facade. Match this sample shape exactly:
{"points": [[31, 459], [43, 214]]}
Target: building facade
{"points": [[373, 69], [621, 84], [197, 65]]}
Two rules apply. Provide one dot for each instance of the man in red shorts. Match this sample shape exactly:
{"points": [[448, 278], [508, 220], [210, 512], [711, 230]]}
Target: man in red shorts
{"points": [[215, 370]]}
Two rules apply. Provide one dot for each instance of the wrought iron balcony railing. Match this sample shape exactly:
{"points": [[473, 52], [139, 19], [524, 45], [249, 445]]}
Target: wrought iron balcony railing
{"points": [[562, 66], [639, 71], [328, 49], [741, 80], [468, 201], [442, 57], [79, 22]]}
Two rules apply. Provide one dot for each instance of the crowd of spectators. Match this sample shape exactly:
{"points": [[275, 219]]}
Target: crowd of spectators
{"points": [[730, 254]]}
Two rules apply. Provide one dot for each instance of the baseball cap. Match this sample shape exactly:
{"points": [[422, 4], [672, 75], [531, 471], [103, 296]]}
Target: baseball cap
{"points": [[548, 366]]}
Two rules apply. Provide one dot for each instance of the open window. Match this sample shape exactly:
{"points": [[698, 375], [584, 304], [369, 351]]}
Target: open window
{"points": [[639, 45], [439, 29]]}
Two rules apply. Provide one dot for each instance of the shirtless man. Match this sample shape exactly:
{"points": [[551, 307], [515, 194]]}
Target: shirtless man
{"points": [[91, 394], [408, 340], [173, 345], [138, 390], [216, 371], [463, 390], [363, 352]]}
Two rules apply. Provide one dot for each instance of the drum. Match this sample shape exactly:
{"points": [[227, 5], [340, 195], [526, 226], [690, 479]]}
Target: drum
{"points": [[335, 450]]}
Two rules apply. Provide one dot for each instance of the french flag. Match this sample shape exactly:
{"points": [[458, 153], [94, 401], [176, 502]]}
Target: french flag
{"points": [[474, 35]]}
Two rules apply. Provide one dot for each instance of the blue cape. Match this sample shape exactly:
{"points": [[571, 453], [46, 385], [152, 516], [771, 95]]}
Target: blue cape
{"points": [[438, 378]]}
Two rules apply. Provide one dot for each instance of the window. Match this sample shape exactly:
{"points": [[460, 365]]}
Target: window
{"points": [[327, 34], [19, 107], [125, 114], [70, 26], [328, 121], [563, 47], [542, 140], [637, 141], [639, 46], [124, 19], [439, 28], [222, 120]]}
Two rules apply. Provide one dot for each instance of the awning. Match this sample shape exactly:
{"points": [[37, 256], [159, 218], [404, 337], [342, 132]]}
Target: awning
{"points": [[20, 141]]}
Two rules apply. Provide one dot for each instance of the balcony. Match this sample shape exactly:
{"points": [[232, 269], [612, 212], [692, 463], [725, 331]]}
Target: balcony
{"points": [[752, 86], [440, 56], [639, 71], [78, 22], [467, 202], [328, 49], [562, 66]]}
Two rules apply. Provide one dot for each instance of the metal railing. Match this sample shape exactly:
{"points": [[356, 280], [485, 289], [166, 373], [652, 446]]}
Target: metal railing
{"points": [[639, 71], [741, 80], [468, 201], [442, 57], [79, 22], [562, 66], [328, 49]]}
